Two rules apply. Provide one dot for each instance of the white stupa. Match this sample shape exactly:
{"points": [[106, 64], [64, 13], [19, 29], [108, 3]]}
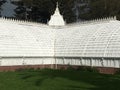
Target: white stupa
{"points": [[56, 19]]}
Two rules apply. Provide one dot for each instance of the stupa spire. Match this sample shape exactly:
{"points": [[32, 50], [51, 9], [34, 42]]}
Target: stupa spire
{"points": [[56, 19]]}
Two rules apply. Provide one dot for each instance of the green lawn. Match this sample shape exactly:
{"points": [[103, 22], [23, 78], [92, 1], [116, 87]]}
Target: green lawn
{"points": [[58, 80]]}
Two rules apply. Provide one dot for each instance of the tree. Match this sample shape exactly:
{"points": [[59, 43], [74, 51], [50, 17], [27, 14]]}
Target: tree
{"points": [[41, 10], [104, 8], [36, 10], [1, 3]]}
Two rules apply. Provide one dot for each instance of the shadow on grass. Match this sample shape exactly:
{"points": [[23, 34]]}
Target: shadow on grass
{"points": [[70, 80]]}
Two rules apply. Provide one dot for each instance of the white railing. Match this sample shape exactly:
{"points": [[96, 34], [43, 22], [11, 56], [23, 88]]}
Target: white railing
{"points": [[94, 21], [14, 20], [99, 20]]}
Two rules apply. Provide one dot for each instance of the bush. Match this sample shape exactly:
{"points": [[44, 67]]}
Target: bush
{"points": [[24, 69], [88, 69], [118, 71]]}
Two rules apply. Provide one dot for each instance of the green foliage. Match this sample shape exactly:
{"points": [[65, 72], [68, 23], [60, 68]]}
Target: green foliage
{"points": [[88, 69], [41, 10], [48, 79], [118, 71], [1, 3], [104, 8]]}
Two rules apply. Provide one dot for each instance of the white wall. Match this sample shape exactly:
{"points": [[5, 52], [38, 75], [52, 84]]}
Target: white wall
{"points": [[97, 62], [25, 61]]}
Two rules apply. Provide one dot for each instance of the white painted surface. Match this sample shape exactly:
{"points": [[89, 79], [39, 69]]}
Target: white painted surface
{"points": [[25, 61], [100, 40], [22, 39], [61, 61], [25, 39], [31, 39], [91, 40], [56, 19]]}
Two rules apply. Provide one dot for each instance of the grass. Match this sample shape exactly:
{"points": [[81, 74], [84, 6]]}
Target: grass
{"points": [[58, 80]]}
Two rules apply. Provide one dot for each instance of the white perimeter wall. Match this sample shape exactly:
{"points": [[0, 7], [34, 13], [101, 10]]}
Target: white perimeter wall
{"points": [[97, 62], [25, 61]]}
